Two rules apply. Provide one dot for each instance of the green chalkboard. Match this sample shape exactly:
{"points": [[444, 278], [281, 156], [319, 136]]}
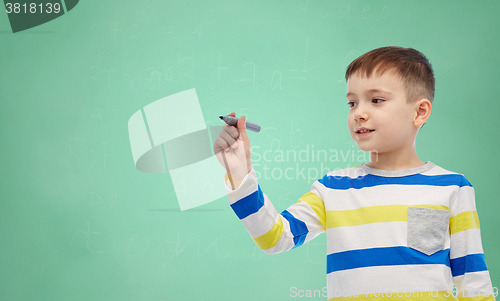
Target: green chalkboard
{"points": [[79, 221]]}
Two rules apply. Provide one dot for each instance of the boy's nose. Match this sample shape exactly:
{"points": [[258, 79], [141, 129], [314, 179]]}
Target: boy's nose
{"points": [[360, 114]]}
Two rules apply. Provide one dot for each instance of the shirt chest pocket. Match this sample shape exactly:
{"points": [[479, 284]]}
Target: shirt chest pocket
{"points": [[427, 229]]}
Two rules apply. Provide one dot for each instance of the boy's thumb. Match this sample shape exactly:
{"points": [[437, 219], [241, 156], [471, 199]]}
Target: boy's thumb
{"points": [[242, 127]]}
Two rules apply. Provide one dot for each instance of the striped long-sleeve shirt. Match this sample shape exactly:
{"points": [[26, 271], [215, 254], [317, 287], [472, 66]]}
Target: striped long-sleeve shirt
{"points": [[409, 234]]}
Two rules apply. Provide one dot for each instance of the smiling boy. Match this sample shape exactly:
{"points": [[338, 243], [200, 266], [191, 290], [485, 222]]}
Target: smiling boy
{"points": [[397, 228], [379, 104]]}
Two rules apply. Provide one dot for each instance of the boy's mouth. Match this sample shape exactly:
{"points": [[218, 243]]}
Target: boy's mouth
{"points": [[363, 134], [364, 131]]}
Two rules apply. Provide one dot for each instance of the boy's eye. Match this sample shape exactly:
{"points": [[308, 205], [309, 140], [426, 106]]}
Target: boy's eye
{"points": [[352, 102]]}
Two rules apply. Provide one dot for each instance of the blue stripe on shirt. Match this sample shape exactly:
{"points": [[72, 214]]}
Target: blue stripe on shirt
{"points": [[383, 257], [249, 204], [298, 228], [468, 264], [369, 180]]}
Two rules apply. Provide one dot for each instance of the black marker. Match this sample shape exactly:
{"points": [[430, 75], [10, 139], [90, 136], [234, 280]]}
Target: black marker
{"points": [[233, 121]]}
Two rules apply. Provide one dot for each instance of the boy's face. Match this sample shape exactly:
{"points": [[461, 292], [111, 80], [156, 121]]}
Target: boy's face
{"points": [[384, 112]]}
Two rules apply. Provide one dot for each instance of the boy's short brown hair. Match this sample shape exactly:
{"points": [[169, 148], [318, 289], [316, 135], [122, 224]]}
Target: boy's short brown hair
{"points": [[410, 65]]}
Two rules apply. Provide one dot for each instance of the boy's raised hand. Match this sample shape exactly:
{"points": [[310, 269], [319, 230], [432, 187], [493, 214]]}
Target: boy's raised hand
{"points": [[235, 145]]}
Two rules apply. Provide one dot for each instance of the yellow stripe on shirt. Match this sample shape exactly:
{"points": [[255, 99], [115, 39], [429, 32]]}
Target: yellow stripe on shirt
{"points": [[316, 203], [479, 298], [372, 214], [271, 237], [464, 221]]}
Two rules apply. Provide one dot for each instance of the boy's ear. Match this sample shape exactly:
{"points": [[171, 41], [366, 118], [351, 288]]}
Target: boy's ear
{"points": [[423, 111]]}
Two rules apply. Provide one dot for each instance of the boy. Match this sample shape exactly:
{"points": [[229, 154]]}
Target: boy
{"points": [[397, 228]]}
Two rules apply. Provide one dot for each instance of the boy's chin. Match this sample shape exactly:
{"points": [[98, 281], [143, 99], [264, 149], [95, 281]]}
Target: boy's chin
{"points": [[362, 146], [364, 149]]}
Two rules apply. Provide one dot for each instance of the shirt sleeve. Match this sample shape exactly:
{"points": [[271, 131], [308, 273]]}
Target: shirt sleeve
{"points": [[275, 232], [467, 260]]}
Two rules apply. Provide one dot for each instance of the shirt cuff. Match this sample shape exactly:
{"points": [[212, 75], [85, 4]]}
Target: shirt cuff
{"points": [[248, 185]]}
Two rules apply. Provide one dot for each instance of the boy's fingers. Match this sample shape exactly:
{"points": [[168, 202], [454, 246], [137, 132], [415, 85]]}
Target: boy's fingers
{"points": [[243, 128], [232, 131], [230, 141], [221, 144]]}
